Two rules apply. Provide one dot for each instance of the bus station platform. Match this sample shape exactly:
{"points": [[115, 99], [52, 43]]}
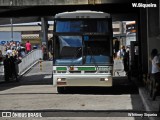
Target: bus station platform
{"points": [[46, 73]]}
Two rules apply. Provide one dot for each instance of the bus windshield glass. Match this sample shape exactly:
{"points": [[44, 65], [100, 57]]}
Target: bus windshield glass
{"points": [[70, 47], [81, 26], [78, 50]]}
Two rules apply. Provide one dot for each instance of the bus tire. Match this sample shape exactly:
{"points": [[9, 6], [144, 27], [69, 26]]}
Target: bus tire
{"points": [[61, 90]]}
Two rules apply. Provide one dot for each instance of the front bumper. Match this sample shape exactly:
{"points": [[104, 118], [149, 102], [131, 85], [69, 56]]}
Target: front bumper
{"points": [[64, 80]]}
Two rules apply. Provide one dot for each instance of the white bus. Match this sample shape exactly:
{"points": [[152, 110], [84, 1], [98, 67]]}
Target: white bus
{"points": [[82, 48]]}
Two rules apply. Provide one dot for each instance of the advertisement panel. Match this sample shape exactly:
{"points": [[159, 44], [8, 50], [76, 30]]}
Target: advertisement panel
{"points": [[7, 36]]}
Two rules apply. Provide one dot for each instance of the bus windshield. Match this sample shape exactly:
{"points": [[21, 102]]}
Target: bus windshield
{"points": [[78, 50], [82, 41]]}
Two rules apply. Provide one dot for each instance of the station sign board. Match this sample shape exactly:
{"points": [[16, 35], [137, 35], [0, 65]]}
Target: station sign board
{"points": [[7, 37]]}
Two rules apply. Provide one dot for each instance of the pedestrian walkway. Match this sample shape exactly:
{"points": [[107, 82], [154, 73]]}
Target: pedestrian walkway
{"points": [[149, 104]]}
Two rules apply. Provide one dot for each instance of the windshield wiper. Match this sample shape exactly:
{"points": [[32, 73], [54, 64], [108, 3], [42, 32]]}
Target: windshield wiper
{"points": [[75, 55], [92, 57]]}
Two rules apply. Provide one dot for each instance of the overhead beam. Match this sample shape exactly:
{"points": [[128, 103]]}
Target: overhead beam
{"points": [[59, 2], [115, 17]]}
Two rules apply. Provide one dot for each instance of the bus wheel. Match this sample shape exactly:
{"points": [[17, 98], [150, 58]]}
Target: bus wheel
{"points": [[61, 90]]}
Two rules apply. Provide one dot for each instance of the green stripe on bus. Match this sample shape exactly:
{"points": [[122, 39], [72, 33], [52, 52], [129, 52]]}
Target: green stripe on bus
{"points": [[86, 68], [61, 68]]}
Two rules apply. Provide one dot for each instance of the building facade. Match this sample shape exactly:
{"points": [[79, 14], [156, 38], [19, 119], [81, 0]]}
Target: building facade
{"points": [[29, 32]]}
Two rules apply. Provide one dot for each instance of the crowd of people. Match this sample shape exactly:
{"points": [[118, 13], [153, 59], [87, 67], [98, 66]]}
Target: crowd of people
{"points": [[13, 48], [20, 50], [12, 56]]}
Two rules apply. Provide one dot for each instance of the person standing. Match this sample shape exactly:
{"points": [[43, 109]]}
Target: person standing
{"points": [[28, 47], [7, 68], [126, 61], [116, 47], [155, 59], [120, 53], [44, 50]]}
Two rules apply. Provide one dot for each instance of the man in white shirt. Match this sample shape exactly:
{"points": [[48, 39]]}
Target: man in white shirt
{"points": [[155, 64]]}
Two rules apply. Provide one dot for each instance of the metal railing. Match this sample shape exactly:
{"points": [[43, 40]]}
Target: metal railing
{"points": [[29, 60], [1, 73], [2, 48]]}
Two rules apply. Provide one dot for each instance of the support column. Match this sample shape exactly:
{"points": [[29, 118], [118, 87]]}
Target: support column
{"points": [[44, 33], [143, 39]]}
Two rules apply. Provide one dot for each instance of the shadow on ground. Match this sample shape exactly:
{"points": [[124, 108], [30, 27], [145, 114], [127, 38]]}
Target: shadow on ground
{"points": [[116, 90], [27, 80]]}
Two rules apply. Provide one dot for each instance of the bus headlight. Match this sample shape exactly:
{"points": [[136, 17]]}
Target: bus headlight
{"points": [[59, 79], [104, 79]]}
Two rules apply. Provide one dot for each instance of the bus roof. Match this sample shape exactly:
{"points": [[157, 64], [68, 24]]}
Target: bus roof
{"points": [[83, 14]]}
